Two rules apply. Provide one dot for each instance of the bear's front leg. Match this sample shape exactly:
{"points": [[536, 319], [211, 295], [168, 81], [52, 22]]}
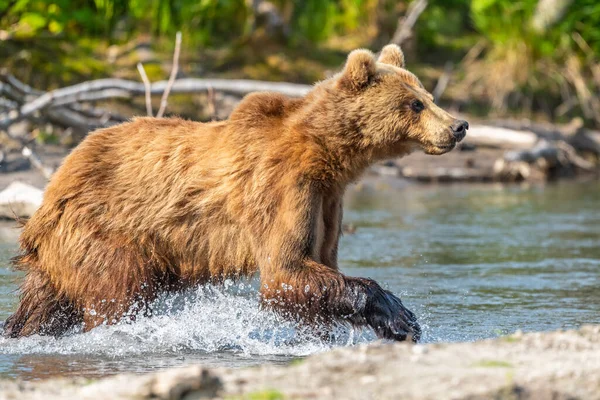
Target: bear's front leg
{"points": [[316, 294], [295, 282]]}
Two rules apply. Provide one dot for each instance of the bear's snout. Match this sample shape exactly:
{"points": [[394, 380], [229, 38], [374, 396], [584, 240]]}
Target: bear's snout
{"points": [[459, 129]]}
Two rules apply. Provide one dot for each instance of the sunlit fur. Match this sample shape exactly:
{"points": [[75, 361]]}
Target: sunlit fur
{"points": [[157, 205]]}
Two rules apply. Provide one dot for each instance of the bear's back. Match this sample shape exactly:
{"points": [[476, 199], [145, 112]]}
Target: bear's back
{"points": [[119, 176]]}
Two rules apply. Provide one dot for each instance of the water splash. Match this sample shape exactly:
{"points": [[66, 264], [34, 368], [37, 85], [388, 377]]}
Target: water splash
{"points": [[209, 319]]}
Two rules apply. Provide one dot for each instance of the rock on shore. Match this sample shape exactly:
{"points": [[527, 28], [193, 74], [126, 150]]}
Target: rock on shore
{"points": [[19, 200], [553, 365]]}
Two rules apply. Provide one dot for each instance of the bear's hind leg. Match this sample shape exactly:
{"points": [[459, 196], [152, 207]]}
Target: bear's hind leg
{"points": [[127, 289], [134, 300], [42, 309]]}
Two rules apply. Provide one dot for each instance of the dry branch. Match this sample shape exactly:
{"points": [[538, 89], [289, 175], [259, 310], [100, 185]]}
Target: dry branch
{"points": [[7, 104], [548, 12], [174, 70], [571, 154], [37, 162], [442, 83], [102, 89], [212, 108], [147, 88], [406, 24], [15, 93], [84, 97], [71, 94], [70, 107]]}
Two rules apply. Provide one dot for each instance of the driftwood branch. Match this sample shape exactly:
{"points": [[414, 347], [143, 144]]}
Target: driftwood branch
{"points": [[14, 94], [37, 162], [84, 97], [6, 104], [172, 77], [147, 89], [548, 12], [547, 159], [212, 108], [106, 87], [502, 138], [406, 24], [442, 83], [71, 107]]}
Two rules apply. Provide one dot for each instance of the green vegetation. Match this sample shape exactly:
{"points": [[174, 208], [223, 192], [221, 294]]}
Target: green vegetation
{"points": [[531, 64], [266, 395], [494, 364], [204, 22], [297, 361], [510, 339], [521, 57], [260, 395]]}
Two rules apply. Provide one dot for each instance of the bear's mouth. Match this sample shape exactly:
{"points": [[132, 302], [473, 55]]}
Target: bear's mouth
{"points": [[440, 148], [445, 147]]}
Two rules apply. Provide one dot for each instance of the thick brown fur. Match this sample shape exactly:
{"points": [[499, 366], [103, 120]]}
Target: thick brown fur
{"points": [[157, 205]]}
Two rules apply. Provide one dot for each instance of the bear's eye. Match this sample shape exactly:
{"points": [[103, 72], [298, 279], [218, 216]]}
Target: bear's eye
{"points": [[417, 106]]}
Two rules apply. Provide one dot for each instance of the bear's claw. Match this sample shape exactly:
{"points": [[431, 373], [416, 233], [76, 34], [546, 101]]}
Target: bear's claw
{"points": [[391, 320], [385, 313]]}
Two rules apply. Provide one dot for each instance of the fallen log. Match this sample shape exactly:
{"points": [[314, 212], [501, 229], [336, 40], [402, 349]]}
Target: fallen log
{"points": [[31, 100], [543, 150], [546, 160], [71, 94], [586, 140], [14, 93], [65, 106], [447, 174], [573, 133], [499, 138], [543, 130], [75, 117]]}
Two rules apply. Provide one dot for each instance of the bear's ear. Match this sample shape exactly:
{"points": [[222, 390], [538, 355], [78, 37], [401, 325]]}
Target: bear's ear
{"points": [[392, 54], [359, 70]]}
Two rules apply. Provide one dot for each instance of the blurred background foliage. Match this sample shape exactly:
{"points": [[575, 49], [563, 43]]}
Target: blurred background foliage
{"points": [[527, 58]]}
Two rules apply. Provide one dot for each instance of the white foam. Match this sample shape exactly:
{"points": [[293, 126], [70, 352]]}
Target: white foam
{"points": [[208, 319]]}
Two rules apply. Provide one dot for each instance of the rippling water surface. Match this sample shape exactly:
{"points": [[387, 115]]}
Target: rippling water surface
{"points": [[472, 261]]}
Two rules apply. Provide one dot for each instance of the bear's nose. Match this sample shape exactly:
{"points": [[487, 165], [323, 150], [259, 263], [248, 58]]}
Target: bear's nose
{"points": [[459, 129]]}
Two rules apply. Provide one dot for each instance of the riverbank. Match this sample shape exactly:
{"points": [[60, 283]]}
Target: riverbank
{"points": [[549, 365]]}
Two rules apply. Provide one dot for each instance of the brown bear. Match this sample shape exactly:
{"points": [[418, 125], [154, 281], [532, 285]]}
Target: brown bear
{"points": [[157, 205]]}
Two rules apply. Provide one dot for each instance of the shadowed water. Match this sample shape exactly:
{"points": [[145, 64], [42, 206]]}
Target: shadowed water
{"points": [[472, 262]]}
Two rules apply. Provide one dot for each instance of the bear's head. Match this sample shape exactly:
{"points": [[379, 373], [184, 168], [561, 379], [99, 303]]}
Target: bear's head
{"points": [[389, 108]]}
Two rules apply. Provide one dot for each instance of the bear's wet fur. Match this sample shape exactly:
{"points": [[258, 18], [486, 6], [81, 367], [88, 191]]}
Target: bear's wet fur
{"points": [[159, 205]]}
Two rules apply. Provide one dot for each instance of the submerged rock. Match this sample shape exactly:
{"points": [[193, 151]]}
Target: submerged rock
{"points": [[552, 365]]}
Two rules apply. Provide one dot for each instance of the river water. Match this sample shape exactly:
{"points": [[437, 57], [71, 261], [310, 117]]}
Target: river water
{"points": [[473, 262]]}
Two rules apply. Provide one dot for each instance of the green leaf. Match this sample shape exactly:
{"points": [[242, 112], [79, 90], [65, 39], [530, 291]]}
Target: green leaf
{"points": [[33, 21], [55, 27], [481, 5]]}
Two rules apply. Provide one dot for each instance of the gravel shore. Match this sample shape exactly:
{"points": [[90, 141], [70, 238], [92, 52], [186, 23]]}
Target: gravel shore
{"points": [[551, 365]]}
